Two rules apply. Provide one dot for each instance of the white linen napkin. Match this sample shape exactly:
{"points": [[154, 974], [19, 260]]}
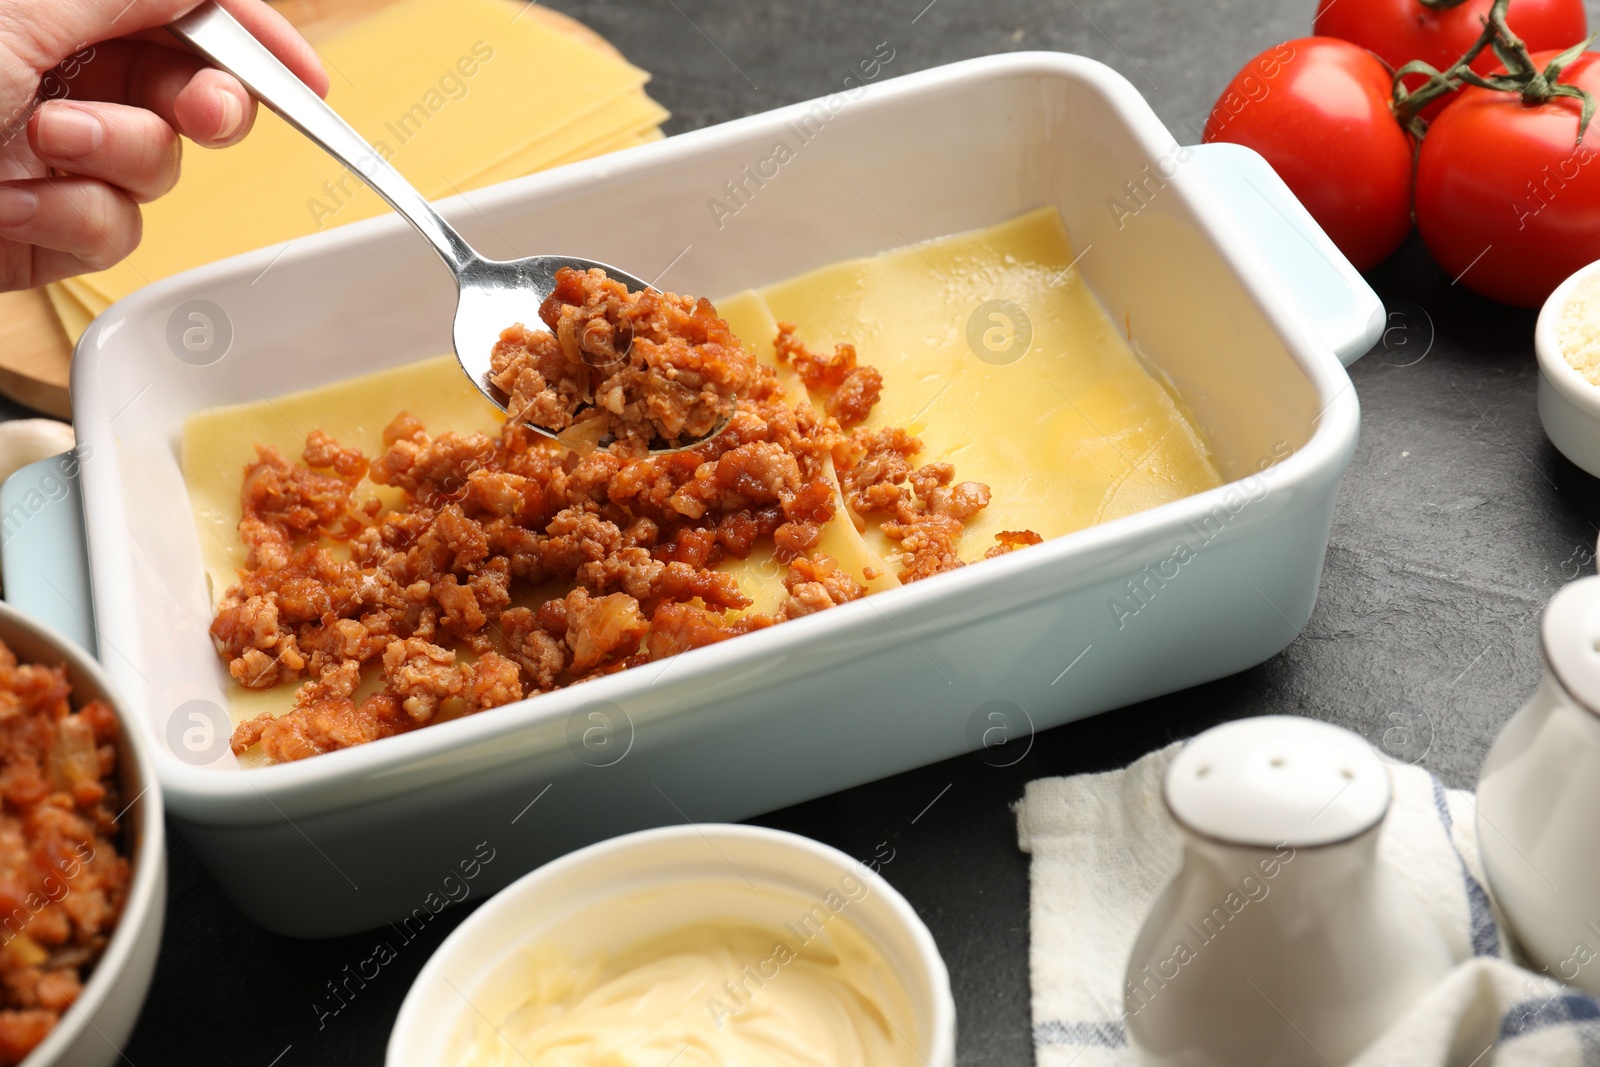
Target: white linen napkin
{"points": [[1103, 846]]}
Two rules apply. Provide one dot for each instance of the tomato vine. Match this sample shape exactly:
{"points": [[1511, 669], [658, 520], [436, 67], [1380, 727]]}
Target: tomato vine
{"points": [[1521, 75]]}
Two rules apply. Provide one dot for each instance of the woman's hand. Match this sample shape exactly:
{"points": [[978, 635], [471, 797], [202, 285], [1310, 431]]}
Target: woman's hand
{"points": [[93, 96]]}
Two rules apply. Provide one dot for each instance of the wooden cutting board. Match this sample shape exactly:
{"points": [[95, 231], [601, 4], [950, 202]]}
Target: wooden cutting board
{"points": [[35, 356]]}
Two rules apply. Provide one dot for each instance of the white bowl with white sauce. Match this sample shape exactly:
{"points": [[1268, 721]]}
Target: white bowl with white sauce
{"points": [[743, 943]]}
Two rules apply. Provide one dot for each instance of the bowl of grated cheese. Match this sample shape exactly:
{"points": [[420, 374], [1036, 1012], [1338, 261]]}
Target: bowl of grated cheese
{"points": [[1567, 340]]}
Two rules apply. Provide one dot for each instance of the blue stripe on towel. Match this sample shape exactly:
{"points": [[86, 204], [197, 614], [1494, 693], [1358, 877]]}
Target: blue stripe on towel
{"points": [[1480, 916], [1057, 1033], [1565, 1009]]}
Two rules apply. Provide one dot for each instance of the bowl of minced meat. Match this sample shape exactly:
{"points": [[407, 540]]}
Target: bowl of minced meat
{"points": [[82, 855]]}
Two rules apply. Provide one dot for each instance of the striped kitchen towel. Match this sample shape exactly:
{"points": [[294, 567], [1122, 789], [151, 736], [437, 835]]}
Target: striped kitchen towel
{"points": [[1103, 846]]}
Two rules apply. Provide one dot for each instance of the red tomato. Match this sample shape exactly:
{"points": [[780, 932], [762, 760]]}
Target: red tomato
{"points": [[1318, 110], [1398, 31], [1506, 200]]}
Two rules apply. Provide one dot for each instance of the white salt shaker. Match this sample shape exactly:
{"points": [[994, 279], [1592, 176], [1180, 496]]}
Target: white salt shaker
{"points": [[1539, 799], [1281, 940]]}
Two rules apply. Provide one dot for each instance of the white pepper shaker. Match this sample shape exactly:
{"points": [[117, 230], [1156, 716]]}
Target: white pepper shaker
{"points": [[1539, 799], [1281, 940]]}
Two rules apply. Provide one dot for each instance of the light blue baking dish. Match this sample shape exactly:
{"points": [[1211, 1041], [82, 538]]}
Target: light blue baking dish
{"points": [[1230, 289]]}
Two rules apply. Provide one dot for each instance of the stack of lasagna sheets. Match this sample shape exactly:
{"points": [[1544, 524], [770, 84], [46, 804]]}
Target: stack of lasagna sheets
{"points": [[456, 94]]}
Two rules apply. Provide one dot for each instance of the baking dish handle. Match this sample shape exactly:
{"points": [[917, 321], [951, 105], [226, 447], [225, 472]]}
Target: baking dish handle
{"points": [[1340, 304], [44, 559]]}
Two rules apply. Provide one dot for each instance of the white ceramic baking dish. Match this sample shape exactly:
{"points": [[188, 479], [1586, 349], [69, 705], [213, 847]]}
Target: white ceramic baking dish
{"points": [[1223, 280]]}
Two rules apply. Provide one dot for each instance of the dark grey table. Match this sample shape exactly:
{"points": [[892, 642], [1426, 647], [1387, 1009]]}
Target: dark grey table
{"points": [[1456, 523]]}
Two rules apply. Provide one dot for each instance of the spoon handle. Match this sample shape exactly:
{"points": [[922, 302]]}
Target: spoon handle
{"points": [[219, 37]]}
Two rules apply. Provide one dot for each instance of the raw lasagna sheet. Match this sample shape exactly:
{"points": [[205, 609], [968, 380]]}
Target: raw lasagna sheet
{"points": [[999, 358], [1073, 431], [448, 90]]}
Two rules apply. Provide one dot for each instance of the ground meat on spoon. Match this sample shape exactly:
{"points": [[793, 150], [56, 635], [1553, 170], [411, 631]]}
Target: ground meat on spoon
{"points": [[512, 565], [637, 368]]}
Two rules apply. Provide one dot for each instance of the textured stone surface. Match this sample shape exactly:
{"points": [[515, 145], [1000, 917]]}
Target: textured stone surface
{"points": [[1456, 523]]}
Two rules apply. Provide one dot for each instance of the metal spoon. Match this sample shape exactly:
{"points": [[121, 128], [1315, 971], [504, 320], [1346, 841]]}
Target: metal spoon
{"points": [[493, 293]]}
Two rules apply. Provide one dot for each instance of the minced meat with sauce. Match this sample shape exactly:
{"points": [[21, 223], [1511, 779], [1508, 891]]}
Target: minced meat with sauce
{"points": [[638, 368], [441, 595], [62, 878]]}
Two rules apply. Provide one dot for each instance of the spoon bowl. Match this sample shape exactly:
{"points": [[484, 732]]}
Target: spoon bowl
{"points": [[494, 294]]}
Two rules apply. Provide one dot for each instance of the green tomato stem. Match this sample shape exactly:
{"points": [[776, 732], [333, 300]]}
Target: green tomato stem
{"points": [[1522, 76]]}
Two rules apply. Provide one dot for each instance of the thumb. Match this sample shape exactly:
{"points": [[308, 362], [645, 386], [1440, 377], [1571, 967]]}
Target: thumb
{"points": [[45, 32]]}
